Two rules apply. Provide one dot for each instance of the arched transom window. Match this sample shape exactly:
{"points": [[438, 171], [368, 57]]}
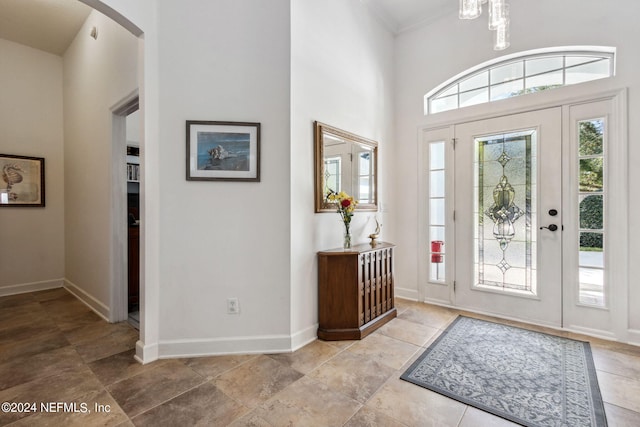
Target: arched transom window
{"points": [[519, 74]]}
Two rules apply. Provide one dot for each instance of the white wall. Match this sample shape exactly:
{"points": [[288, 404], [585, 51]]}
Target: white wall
{"points": [[141, 19], [428, 56], [97, 75], [32, 238], [342, 75], [224, 72], [228, 61]]}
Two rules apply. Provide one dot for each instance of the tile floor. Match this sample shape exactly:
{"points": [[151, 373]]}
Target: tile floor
{"points": [[54, 349]]}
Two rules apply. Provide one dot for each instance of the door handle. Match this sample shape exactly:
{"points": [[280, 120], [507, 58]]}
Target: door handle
{"points": [[551, 227]]}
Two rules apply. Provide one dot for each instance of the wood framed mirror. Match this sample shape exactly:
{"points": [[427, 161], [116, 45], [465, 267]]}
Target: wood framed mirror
{"points": [[345, 162]]}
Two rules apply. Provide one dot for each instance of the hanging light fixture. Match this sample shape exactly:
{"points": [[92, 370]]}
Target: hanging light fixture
{"points": [[501, 40], [470, 9], [498, 11]]}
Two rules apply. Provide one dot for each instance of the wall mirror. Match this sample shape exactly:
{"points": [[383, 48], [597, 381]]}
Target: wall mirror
{"points": [[345, 162]]}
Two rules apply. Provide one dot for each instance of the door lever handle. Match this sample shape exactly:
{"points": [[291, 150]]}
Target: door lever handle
{"points": [[551, 227]]}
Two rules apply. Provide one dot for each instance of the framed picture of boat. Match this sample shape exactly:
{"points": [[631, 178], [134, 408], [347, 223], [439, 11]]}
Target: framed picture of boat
{"points": [[223, 151], [21, 181]]}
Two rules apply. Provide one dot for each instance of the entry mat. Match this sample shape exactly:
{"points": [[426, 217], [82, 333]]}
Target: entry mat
{"points": [[531, 378]]}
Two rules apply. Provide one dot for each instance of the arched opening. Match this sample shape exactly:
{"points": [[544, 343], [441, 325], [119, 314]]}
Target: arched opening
{"points": [[83, 177]]}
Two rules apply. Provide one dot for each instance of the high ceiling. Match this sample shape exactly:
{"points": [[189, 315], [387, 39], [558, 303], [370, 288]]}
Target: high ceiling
{"points": [[51, 25], [403, 15], [48, 25]]}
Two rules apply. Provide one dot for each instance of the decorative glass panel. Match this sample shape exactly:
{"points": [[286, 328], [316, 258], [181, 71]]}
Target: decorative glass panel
{"points": [[505, 180], [437, 206], [591, 148]]}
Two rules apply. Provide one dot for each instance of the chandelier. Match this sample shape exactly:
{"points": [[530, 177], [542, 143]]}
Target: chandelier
{"points": [[498, 18]]}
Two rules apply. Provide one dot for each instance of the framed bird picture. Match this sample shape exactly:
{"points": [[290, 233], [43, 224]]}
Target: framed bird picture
{"points": [[22, 182]]}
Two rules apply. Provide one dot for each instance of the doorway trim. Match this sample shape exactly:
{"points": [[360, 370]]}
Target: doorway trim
{"points": [[119, 238], [564, 98]]}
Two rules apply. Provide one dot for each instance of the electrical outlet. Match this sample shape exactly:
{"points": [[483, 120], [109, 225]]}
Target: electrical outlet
{"points": [[233, 307]]}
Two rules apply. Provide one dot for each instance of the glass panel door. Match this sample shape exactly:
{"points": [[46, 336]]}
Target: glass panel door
{"points": [[508, 226]]}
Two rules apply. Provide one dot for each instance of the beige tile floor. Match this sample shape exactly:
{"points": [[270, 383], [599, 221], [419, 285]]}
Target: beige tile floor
{"points": [[54, 349]]}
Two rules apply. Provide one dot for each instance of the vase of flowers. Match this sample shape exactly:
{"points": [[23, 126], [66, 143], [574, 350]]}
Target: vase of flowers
{"points": [[345, 207]]}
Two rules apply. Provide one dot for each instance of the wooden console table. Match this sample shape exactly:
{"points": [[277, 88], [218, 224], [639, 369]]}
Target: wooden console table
{"points": [[355, 291]]}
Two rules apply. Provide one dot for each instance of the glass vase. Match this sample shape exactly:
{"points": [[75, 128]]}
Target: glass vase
{"points": [[346, 243]]}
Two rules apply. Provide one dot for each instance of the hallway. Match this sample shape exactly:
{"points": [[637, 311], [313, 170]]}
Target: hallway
{"points": [[54, 349]]}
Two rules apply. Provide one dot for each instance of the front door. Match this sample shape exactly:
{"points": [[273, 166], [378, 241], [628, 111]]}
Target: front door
{"points": [[508, 216]]}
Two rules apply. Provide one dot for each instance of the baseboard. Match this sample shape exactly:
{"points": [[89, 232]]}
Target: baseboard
{"points": [[23, 288], [146, 353], [90, 301], [410, 294], [304, 337], [436, 301], [224, 346], [633, 336]]}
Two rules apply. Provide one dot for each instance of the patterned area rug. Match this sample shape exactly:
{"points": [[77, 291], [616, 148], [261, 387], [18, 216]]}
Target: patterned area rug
{"points": [[530, 378]]}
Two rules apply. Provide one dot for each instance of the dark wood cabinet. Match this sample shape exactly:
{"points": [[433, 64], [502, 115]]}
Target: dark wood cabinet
{"points": [[355, 291]]}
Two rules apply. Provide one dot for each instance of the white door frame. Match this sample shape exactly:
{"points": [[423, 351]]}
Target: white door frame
{"points": [[119, 225], [565, 98]]}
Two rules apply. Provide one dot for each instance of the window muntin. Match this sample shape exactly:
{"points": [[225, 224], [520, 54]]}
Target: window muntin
{"points": [[437, 206], [525, 74], [591, 208]]}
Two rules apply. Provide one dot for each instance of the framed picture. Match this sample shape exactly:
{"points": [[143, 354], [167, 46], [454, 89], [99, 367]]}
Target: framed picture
{"points": [[22, 182], [223, 151]]}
